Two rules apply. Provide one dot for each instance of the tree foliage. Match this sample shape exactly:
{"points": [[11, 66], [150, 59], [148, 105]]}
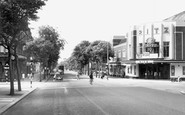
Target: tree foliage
{"points": [[46, 48], [86, 52], [14, 20], [80, 57]]}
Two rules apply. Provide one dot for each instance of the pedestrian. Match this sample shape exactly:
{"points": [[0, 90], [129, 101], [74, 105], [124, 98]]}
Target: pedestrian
{"points": [[78, 75], [91, 78], [102, 75]]}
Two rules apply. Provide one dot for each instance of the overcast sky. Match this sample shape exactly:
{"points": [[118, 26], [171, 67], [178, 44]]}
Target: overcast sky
{"points": [[91, 20]]}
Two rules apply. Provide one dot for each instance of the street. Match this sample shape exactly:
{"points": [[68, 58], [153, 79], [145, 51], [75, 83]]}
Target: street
{"points": [[104, 97]]}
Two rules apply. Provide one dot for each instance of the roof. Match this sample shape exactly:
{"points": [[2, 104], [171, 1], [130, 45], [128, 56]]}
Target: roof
{"points": [[119, 40], [178, 17]]}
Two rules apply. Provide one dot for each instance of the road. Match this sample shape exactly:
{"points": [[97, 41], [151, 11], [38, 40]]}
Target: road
{"points": [[104, 97]]}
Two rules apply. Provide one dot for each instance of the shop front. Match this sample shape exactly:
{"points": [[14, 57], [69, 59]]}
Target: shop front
{"points": [[117, 69], [154, 71]]}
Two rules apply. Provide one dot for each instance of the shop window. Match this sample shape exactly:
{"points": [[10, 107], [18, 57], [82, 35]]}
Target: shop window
{"points": [[128, 70], [166, 49], [183, 70], [172, 70]]}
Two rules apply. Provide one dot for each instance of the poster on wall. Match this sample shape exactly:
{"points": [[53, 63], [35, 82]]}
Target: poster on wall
{"points": [[134, 70], [173, 70], [183, 71]]}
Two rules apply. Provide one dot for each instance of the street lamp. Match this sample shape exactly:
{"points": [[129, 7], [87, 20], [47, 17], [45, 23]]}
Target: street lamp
{"points": [[31, 69]]}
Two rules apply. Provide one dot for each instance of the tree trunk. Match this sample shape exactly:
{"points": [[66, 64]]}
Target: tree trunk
{"points": [[18, 72], [88, 68], [10, 72]]}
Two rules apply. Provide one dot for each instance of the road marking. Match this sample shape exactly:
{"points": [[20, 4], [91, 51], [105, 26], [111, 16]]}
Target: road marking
{"points": [[105, 113]]}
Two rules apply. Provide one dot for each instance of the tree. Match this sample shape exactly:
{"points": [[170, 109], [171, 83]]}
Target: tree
{"points": [[97, 52], [15, 16], [46, 48], [80, 56]]}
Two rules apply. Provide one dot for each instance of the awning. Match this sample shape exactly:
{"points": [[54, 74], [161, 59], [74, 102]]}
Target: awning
{"points": [[153, 61], [117, 63]]}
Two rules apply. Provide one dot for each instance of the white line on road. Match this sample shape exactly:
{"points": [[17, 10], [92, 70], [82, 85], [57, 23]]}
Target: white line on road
{"points": [[105, 113]]}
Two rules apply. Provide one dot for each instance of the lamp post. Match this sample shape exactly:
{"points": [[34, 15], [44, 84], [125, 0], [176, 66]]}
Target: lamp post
{"points": [[31, 69]]}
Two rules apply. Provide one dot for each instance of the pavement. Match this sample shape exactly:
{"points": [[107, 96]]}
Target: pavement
{"points": [[6, 101]]}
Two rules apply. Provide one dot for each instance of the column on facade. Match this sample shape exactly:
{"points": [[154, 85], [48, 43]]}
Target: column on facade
{"points": [[161, 43], [172, 48], [143, 46]]}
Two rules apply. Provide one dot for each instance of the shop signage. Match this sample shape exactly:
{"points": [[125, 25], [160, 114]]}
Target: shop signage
{"points": [[150, 42], [156, 30]]}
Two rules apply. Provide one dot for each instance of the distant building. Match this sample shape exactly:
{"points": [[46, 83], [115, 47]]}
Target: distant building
{"points": [[116, 65]]}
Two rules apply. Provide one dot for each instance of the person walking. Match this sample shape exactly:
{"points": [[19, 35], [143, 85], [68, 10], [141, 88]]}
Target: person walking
{"points": [[91, 78], [78, 75]]}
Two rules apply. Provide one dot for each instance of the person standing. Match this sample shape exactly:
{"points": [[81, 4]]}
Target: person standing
{"points": [[91, 77]]}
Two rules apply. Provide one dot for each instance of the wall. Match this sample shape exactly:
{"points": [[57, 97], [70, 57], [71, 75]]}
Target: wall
{"points": [[122, 49]]}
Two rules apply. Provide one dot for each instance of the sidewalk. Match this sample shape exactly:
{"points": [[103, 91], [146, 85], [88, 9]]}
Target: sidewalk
{"points": [[6, 100]]}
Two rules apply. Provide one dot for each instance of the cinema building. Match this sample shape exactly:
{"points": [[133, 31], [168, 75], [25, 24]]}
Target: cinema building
{"points": [[157, 50]]}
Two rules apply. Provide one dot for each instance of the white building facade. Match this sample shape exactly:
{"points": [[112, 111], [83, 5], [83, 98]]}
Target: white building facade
{"points": [[157, 50]]}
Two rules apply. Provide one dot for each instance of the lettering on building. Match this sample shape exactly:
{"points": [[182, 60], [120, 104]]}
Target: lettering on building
{"points": [[166, 30]]}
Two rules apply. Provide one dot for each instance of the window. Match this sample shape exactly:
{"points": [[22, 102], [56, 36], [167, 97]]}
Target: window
{"points": [[130, 69], [156, 49], [140, 48], [119, 54], [166, 49]]}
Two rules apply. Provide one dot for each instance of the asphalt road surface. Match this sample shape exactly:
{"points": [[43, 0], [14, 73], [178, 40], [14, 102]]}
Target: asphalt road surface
{"points": [[78, 97]]}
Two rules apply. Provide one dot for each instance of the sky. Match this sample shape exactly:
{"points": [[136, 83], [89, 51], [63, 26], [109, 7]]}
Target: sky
{"points": [[78, 20]]}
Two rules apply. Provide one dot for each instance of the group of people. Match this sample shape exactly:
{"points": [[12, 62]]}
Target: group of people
{"points": [[91, 76]]}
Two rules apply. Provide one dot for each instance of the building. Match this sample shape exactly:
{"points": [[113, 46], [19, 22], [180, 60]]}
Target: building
{"points": [[4, 62], [156, 50], [116, 64]]}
